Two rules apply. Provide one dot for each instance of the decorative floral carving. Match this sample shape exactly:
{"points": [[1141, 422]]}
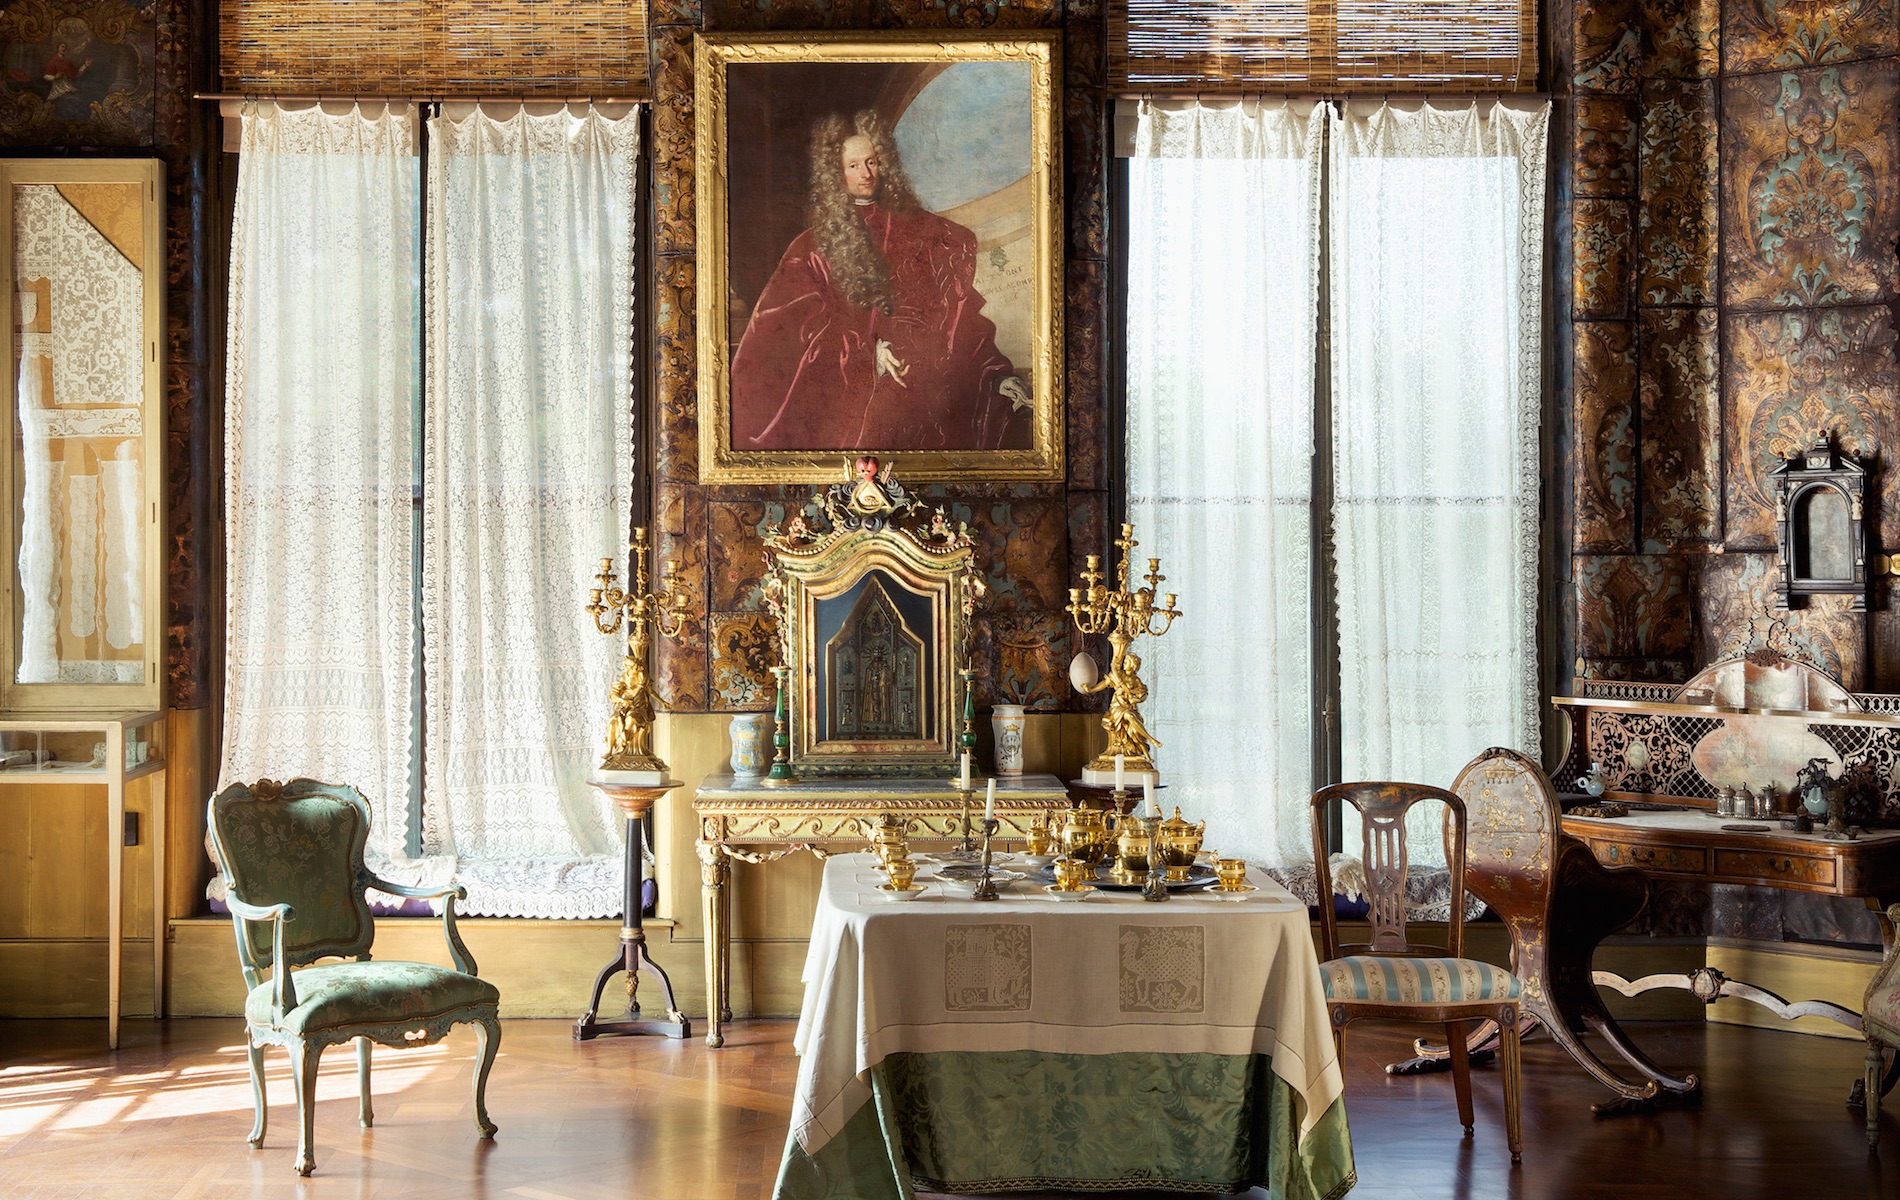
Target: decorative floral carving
{"points": [[1760, 35], [1602, 242], [1681, 444], [1677, 223]]}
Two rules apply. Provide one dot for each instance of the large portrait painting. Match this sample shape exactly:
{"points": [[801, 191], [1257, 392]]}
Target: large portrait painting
{"points": [[879, 257]]}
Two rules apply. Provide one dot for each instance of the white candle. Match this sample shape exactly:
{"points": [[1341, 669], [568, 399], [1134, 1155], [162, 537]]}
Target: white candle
{"points": [[1148, 794], [966, 770], [989, 802], [1118, 772]]}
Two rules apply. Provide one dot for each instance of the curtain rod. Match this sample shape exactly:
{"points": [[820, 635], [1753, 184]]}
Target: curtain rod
{"points": [[1320, 97], [438, 99]]}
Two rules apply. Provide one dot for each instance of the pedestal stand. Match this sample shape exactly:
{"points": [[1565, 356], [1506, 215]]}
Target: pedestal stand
{"points": [[636, 801]]}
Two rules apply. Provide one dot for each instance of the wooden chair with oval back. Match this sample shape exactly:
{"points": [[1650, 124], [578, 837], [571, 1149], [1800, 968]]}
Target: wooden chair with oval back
{"points": [[1393, 978], [292, 856], [1880, 1021], [1557, 902]]}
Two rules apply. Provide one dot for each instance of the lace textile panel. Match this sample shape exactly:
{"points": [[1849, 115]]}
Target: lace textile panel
{"points": [[319, 473], [1222, 296], [527, 484], [90, 353], [1437, 250]]}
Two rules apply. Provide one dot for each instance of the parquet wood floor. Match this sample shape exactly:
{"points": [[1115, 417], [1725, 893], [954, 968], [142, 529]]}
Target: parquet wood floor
{"points": [[166, 1118]]}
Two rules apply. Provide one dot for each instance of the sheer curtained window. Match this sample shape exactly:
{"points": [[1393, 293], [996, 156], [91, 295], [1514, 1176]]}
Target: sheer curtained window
{"points": [[1222, 297], [1437, 253], [527, 481], [333, 587], [319, 517], [1434, 250]]}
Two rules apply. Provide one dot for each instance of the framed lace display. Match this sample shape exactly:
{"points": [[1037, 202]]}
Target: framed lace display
{"points": [[85, 268]]}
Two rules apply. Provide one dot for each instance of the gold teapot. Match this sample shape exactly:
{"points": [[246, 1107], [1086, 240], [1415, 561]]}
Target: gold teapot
{"points": [[1084, 835], [1131, 852], [1180, 842]]}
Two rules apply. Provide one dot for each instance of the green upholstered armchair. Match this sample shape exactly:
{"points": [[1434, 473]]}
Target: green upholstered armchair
{"points": [[292, 857]]}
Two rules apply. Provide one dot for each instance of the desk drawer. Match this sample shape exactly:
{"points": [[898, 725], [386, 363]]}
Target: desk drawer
{"points": [[1756, 866], [1677, 860]]}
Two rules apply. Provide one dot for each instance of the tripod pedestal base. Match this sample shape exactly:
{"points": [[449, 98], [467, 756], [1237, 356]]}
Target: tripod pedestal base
{"points": [[633, 960], [634, 793]]}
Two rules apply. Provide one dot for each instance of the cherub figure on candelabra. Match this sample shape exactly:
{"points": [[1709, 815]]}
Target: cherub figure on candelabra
{"points": [[630, 724], [1123, 615]]}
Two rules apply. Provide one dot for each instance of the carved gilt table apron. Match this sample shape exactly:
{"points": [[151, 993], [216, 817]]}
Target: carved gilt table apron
{"points": [[753, 822]]}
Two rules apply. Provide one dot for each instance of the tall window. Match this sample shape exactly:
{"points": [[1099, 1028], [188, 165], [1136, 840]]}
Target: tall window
{"points": [[1424, 423], [502, 350]]}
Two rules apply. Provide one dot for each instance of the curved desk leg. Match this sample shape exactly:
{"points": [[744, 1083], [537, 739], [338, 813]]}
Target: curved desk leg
{"points": [[715, 873]]}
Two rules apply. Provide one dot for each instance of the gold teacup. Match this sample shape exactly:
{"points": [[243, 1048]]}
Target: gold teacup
{"points": [[1232, 872], [1038, 841], [1072, 874], [902, 872]]}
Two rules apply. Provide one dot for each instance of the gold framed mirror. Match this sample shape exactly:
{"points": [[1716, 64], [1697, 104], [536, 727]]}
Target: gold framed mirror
{"points": [[85, 267], [874, 596]]}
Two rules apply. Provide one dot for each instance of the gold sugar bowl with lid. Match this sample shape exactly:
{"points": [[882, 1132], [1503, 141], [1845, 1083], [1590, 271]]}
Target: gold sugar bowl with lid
{"points": [[1084, 835], [889, 837], [1180, 843], [1131, 852]]}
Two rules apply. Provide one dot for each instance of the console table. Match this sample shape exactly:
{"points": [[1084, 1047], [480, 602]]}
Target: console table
{"points": [[755, 822], [29, 757]]}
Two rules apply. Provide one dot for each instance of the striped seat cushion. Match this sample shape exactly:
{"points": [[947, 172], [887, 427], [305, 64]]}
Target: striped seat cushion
{"points": [[1382, 980]]}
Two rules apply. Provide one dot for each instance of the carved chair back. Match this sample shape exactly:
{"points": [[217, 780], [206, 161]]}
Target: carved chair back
{"points": [[1510, 845], [299, 843], [1382, 809]]}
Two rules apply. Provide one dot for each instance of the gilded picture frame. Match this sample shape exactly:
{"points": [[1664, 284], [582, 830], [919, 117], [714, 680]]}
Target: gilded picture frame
{"points": [[906, 302]]}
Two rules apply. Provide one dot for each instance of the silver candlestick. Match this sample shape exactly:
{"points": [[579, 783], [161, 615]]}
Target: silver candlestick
{"points": [[986, 887]]}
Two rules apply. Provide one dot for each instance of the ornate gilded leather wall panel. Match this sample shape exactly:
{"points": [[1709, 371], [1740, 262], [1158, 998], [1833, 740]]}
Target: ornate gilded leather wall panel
{"points": [[1759, 311], [1024, 532]]}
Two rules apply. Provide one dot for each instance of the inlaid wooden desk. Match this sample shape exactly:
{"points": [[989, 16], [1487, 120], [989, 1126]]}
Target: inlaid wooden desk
{"points": [[1690, 843], [755, 823]]}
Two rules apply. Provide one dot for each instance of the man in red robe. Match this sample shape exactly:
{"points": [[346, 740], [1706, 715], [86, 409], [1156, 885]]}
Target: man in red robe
{"points": [[870, 333]]}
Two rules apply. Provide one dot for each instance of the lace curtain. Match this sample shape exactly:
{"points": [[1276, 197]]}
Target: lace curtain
{"points": [[1222, 297], [527, 477], [1436, 245], [319, 505]]}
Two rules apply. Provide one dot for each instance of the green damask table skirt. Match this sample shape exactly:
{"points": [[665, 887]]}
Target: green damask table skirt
{"points": [[1022, 1121]]}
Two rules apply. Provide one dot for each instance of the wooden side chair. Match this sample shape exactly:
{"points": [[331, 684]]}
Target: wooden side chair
{"points": [[1557, 902], [1393, 978], [292, 857], [1880, 1021]]}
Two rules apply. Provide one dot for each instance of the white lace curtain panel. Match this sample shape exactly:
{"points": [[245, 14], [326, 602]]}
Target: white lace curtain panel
{"points": [[527, 482], [1437, 288], [1222, 296], [1435, 243], [527, 468], [319, 473]]}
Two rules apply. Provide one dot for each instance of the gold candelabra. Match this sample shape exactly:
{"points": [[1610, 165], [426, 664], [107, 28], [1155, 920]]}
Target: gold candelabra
{"points": [[630, 727], [1123, 615]]}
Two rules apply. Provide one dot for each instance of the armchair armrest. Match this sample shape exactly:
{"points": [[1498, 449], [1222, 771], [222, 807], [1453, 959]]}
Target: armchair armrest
{"points": [[458, 951], [283, 990]]}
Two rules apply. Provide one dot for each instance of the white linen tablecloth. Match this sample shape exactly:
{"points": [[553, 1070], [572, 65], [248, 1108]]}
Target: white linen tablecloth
{"points": [[1112, 974]]}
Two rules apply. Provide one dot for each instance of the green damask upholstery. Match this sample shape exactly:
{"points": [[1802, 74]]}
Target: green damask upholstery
{"points": [[292, 856], [1424, 981], [350, 993]]}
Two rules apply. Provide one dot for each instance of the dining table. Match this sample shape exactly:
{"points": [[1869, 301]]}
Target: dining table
{"points": [[1044, 1042]]}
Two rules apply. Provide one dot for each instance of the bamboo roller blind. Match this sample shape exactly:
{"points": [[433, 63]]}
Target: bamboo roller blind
{"points": [[515, 47], [1324, 45]]}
